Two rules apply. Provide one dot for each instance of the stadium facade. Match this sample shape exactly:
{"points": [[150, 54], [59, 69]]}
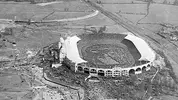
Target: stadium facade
{"points": [[109, 55]]}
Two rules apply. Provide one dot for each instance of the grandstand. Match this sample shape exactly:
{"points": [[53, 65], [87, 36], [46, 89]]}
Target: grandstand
{"points": [[109, 55]]}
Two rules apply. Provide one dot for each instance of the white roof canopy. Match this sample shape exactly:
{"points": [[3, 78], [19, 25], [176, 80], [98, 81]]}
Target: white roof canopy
{"points": [[72, 53], [72, 50], [146, 52]]}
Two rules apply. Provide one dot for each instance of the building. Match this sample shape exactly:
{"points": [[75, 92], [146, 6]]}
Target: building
{"points": [[109, 55]]}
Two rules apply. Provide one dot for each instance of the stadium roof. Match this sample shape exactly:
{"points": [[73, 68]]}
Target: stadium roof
{"points": [[72, 52], [147, 54]]}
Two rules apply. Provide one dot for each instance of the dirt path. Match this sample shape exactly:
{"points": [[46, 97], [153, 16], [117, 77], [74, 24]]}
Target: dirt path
{"points": [[147, 12], [75, 19], [2, 26], [48, 3]]}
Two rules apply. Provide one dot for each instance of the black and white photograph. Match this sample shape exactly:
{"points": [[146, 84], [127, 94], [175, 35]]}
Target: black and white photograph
{"points": [[88, 49]]}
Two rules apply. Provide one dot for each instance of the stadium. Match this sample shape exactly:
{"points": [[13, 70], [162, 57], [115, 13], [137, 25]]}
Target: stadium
{"points": [[109, 55]]}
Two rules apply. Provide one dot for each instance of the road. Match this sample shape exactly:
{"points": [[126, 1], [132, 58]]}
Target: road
{"points": [[169, 48]]}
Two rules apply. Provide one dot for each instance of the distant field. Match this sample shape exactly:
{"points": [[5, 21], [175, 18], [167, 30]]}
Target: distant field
{"points": [[136, 8], [137, 11], [158, 13], [23, 11], [135, 1], [162, 13]]}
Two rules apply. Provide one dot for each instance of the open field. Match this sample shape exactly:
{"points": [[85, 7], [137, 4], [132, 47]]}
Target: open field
{"points": [[162, 14], [158, 13], [26, 11]]}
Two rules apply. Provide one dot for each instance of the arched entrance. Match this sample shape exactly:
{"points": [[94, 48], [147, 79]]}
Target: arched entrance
{"points": [[144, 69], [86, 70], [131, 72], [92, 71], [138, 71], [101, 72], [80, 68], [148, 67]]}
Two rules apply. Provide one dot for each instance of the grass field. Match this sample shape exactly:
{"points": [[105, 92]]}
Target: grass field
{"points": [[106, 50], [162, 14], [158, 13], [24, 11]]}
